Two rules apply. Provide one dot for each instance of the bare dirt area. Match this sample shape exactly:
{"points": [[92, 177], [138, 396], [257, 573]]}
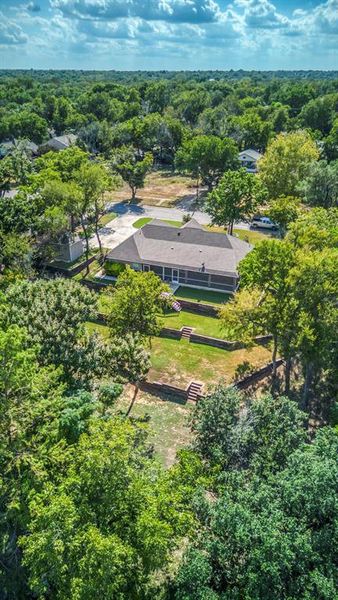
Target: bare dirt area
{"points": [[168, 422], [162, 188]]}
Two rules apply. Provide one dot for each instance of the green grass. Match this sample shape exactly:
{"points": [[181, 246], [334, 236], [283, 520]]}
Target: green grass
{"points": [[178, 362], [97, 328], [200, 323], [251, 236], [168, 425], [203, 296], [144, 220], [106, 218]]}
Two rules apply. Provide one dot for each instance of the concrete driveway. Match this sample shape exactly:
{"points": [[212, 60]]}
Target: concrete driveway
{"points": [[120, 228]]}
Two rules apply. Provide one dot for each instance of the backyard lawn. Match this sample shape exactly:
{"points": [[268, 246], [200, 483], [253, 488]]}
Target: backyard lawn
{"points": [[203, 296], [144, 220], [178, 362], [168, 424], [200, 323]]}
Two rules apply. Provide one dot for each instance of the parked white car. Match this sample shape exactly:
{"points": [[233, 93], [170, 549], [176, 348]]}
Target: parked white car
{"points": [[263, 223]]}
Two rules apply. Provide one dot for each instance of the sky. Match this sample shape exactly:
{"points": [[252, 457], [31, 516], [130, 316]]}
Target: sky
{"points": [[169, 34]]}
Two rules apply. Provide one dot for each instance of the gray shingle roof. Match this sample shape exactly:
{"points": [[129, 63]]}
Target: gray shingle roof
{"points": [[251, 153], [189, 247]]}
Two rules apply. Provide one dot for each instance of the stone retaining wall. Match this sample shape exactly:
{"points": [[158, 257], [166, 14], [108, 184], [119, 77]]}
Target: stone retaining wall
{"points": [[156, 387], [215, 342], [174, 334], [199, 308], [244, 383], [163, 388]]}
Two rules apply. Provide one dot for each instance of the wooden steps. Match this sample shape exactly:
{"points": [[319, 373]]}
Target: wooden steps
{"points": [[186, 333], [194, 390]]}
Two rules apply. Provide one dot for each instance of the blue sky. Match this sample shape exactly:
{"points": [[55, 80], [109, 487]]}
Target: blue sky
{"points": [[169, 34]]}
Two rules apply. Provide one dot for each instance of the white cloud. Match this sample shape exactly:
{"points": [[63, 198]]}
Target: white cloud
{"points": [[181, 11], [10, 32]]}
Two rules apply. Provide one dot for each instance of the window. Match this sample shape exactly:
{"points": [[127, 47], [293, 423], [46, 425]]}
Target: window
{"points": [[221, 279], [197, 276], [156, 269]]}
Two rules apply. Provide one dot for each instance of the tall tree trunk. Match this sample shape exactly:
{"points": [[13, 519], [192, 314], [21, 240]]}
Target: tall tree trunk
{"points": [[307, 384], [231, 228], [136, 388], [133, 192], [288, 368], [98, 237], [274, 357], [85, 233]]}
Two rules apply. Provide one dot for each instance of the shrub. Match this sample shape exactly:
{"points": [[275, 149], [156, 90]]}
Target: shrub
{"points": [[113, 269]]}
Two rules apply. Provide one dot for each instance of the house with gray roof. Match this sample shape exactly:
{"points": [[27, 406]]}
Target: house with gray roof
{"points": [[249, 159], [60, 142], [189, 255]]}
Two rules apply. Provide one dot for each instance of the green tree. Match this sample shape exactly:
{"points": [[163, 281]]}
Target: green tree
{"points": [[318, 114], [315, 229], [315, 286], [129, 362], [252, 130], [137, 303], [257, 435], [236, 198], [93, 180], [15, 257], [283, 211], [6, 175], [206, 158], [132, 170], [320, 188], [264, 304], [266, 522], [54, 314], [30, 448], [331, 142], [190, 103], [65, 164], [288, 160], [104, 528]]}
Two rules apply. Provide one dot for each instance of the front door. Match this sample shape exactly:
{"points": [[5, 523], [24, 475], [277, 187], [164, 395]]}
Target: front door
{"points": [[174, 278]]}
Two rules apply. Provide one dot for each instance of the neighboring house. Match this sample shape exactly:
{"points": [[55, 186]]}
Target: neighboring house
{"points": [[249, 159], [7, 147], [58, 143], [189, 255]]}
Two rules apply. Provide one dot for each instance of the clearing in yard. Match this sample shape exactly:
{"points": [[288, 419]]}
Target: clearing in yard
{"points": [[203, 296], [162, 188], [168, 422], [179, 362]]}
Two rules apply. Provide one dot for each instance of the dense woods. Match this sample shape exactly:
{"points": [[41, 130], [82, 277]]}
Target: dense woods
{"points": [[248, 509]]}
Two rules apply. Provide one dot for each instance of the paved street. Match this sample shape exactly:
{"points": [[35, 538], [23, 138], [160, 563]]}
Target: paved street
{"points": [[120, 228]]}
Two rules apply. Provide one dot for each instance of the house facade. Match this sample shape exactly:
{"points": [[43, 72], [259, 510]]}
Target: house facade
{"points": [[188, 256], [249, 159]]}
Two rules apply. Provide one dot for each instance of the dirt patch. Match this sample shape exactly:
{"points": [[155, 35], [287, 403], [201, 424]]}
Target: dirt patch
{"points": [[162, 188]]}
